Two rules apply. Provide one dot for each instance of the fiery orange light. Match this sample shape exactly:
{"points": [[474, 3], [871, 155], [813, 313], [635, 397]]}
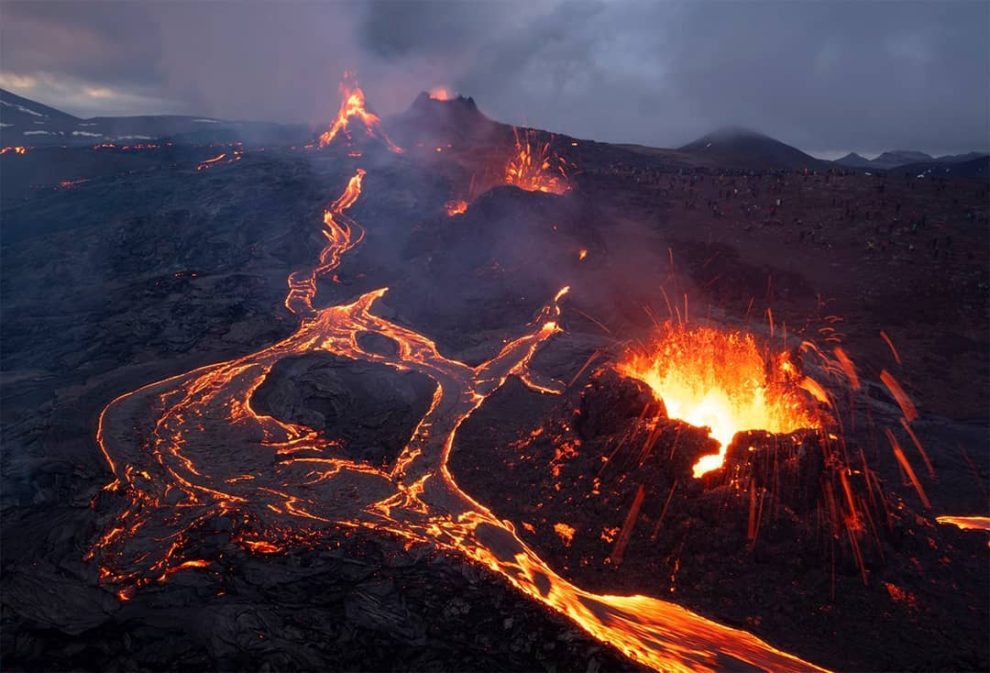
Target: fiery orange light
{"points": [[440, 93], [455, 208], [534, 167], [966, 522], [720, 380], [353, 106], [69, 184], [13, 149]]}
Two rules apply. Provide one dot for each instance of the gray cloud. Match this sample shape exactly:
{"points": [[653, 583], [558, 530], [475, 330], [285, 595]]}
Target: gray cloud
{"points": [[827, 77]]}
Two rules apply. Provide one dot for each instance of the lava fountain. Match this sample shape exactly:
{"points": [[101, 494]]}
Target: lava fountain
{"points": [[534, 167], [352, 106], [721, 380]]}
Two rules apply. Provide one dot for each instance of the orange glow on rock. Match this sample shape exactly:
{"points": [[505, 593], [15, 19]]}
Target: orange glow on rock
{"points": [[456, 208], [721, 380], [440, 93]]}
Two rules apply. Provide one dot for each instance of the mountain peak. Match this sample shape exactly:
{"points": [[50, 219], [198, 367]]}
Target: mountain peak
{"points": [[460, 107], [742, 147], [442, 121]]}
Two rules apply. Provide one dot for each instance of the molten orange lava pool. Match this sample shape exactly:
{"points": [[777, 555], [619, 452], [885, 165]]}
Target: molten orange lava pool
{"points": [[721, 380]]}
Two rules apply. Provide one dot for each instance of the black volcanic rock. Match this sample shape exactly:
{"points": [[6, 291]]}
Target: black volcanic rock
{"points": [[369, 407], [742, 148], [609, 401]]}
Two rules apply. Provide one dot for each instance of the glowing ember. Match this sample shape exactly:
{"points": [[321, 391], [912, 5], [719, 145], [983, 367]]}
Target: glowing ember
{"points": [[565, 532], [534, 167], [13, 150], [455, 207], [352, 106], [720, 380], [440, 93]]}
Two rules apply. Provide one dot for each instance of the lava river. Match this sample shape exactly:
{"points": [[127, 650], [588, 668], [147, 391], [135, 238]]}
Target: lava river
{"points": [[190, 449]]}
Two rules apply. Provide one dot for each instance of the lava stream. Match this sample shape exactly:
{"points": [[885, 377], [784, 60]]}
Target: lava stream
{"points": [[191, 448]]}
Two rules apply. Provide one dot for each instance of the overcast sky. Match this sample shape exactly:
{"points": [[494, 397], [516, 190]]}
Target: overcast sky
{"points": [[826, 76]]}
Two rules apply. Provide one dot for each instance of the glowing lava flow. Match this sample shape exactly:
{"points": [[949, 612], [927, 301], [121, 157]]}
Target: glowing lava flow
{"points": [[966, 522], [534, 167], [719, 380], [191, 449], [353, 106], [981, 523]]}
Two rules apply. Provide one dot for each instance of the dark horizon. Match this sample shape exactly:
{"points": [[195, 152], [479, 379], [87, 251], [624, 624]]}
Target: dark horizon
{"points": [[828, 156]]}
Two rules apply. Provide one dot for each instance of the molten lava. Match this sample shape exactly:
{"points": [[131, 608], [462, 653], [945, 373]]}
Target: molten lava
{"points": [[13, 149], [534, 167], [455, 208], [720, 380], [966, 522], [223, 157], [190, 449], [352, 106]]}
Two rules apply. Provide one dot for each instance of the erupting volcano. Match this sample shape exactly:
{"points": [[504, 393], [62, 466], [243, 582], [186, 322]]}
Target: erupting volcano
{"points": [[722, 381], [535, 167], [348, 360], [353, 109], [175, 479]]}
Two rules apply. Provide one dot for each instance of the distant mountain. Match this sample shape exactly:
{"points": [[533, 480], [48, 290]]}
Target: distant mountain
{"points": [[853, 160], [908, 160], [742, 148], [29, 123], [900, 158], [937, 168], [960, 158], [28, 114]]}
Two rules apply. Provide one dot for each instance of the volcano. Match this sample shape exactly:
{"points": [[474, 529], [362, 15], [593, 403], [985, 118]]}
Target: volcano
{"points": [[288, 410], [441, 122], [740, 147]]}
